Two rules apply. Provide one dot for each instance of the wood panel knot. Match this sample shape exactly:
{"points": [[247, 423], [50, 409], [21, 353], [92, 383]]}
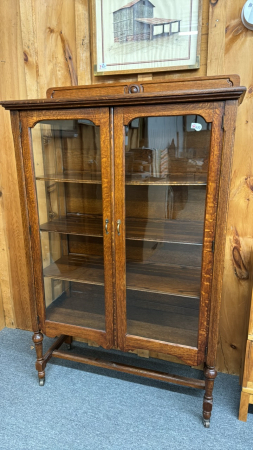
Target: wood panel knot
{"points": [[25, 56], [239, 267], [238, 30], [249, 182], [213, 2], [250, 91]]}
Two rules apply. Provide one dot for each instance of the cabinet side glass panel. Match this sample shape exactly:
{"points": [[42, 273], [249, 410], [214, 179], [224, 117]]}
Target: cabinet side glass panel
{"points": [[67, 163], [166, 165]]}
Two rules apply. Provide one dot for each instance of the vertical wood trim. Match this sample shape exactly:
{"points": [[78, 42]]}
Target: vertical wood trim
{"points": [[209, 226], [83, 54], [107, 214], [216, 38], [221, 227], [244, 406], [12, 265], [31, 311], [247, 363], [120, 244], [115, 331]]}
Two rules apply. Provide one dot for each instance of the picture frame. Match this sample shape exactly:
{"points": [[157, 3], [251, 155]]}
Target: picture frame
{"points": [[141, 36]]}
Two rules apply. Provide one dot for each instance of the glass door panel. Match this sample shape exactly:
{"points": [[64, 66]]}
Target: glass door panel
{"points": [[166, 164], [67, 161]]}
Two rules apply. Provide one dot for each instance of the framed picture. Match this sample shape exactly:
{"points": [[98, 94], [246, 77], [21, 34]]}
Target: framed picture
{"points": [[146, 36]]}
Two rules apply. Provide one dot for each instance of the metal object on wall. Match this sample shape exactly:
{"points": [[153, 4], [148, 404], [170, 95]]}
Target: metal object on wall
{"points": [[247, 15]]}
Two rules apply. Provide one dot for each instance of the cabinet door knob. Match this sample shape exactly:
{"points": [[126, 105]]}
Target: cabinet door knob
{"points": [[106, 226], [118, 225]]}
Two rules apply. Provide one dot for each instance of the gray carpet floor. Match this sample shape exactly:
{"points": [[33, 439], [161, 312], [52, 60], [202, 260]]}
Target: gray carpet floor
{"points": [[83, 407]]}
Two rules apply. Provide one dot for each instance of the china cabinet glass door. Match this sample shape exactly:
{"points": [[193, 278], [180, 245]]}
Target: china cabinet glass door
{"points": [[162, 300], [71, 161]]}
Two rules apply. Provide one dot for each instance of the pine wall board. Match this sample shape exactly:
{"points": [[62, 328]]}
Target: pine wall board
{"points": [[47, 43], [12, 253], [230, 50]]}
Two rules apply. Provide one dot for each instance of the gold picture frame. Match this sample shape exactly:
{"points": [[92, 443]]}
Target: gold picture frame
{"points": [[141, 36]]}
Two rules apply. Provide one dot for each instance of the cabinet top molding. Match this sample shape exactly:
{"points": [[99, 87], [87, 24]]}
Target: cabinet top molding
{"points": [[224, 87]]}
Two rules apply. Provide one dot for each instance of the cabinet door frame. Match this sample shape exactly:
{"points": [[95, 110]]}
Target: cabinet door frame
{"points": [[100, 117], [211, 112]]}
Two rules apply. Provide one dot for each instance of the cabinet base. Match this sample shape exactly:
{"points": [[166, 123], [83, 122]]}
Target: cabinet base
{"points": [[54, 351]]}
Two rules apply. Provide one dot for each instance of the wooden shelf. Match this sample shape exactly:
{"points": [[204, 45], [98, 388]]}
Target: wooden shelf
{"points": [[177, 280], [166, 230], [72, 177], [192, 178], [187, 232], [165, 318], [183, 179], [85, 308], [85, 226], [77, 268]]}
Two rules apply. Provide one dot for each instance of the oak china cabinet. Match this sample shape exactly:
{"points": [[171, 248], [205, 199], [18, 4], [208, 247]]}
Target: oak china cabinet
{"points": [[124, 190]]}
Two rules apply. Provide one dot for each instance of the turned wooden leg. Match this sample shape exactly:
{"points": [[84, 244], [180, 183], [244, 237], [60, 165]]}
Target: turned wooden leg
{"points": [[37, 339], [210, 375], [68, 341], [244, 406]]}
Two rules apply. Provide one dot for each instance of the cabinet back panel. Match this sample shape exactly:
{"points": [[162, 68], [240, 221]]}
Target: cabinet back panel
{"points": [[84, 198], [172, 202], [86, 245]]}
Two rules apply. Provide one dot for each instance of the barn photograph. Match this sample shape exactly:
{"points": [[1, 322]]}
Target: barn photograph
{"points": [[142, 33]]}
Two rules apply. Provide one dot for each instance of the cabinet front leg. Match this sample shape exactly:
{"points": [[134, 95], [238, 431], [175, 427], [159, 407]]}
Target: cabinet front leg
{"points": [[68, 341], [40, 366], [210, 375]]}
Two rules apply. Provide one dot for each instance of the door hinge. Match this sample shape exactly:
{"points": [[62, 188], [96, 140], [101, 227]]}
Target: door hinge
{"points": [[213, 245]]}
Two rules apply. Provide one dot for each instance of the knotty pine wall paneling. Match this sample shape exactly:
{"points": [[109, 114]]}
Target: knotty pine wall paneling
{"points": [[230, 50], [48, 43], [13, 276]]}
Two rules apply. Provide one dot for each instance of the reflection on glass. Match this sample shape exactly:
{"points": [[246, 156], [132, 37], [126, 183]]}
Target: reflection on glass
{"points": [[167, 149], [67, 163], [166, 164]]}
